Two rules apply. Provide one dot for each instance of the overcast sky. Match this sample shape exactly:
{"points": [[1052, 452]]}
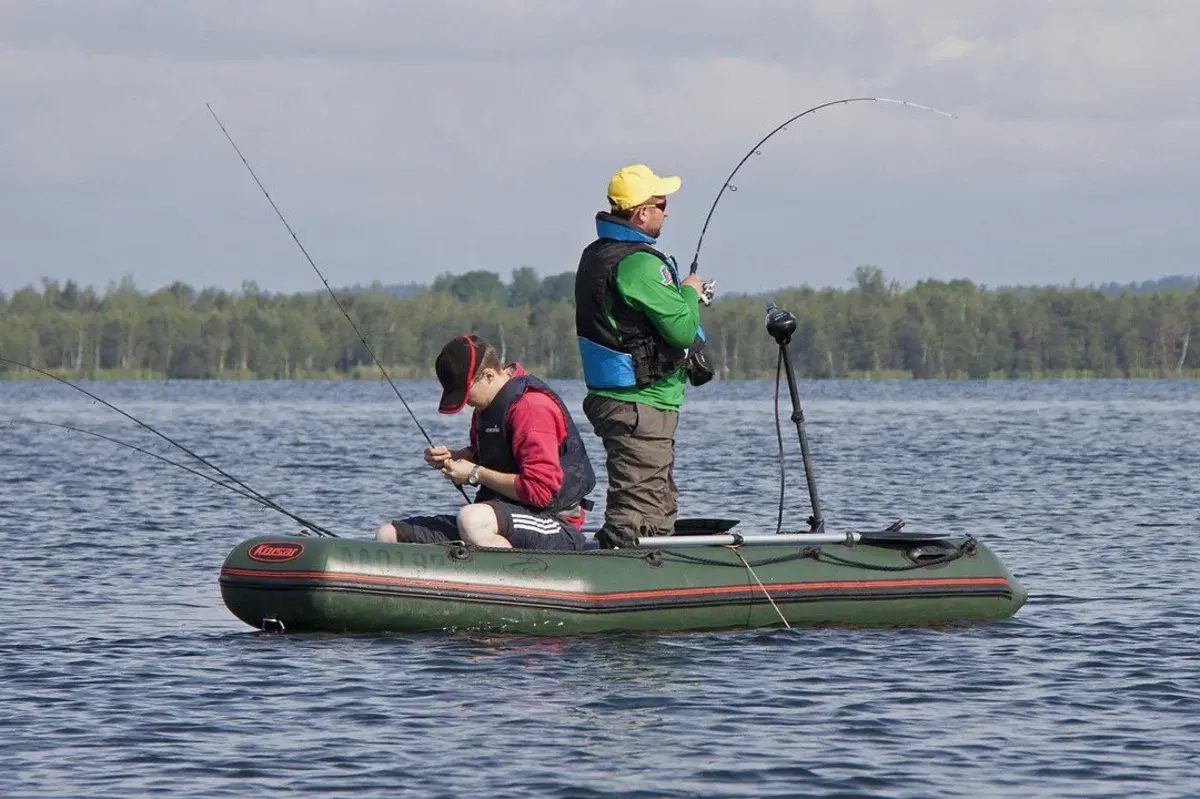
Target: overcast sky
{"points": [[406, 139]]}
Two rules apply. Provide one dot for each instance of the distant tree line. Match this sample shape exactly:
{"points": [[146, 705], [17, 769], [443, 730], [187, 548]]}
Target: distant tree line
{"points": [[873, 328], [1169, 283]]}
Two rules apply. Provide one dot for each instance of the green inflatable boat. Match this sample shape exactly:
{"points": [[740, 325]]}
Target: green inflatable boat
{"points": [[684, 582], [706, 576]]}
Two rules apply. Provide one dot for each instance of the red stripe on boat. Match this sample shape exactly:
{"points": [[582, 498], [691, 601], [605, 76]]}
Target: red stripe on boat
{"points": [[372, 579]]}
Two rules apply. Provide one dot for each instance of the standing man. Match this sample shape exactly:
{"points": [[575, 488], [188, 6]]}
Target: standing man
{"points": [[524, 454], [639, 336]]}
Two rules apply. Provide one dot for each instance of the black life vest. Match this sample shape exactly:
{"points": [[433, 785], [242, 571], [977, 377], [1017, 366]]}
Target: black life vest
{"points": [[494, 447], [596, 293]]}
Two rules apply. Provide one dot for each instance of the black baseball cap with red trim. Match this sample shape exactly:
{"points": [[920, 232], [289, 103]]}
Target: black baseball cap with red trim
{"points": [[456, 366]]}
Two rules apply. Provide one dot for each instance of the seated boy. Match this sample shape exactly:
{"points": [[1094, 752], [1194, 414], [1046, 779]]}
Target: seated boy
{"points": [[525, 455]]}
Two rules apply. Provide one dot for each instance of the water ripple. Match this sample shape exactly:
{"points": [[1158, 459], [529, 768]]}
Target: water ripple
{"points": [[122, 674]]}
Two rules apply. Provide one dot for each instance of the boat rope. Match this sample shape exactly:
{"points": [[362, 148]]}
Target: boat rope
{"points": [[967, 547], [667, 554], [336, 301], [766, 593], [817, 553]]}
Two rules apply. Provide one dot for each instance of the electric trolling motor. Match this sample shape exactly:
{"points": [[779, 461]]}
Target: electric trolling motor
{"points": [[781, 325]]}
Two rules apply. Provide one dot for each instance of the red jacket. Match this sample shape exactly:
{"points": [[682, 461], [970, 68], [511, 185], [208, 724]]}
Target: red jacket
{"points": [[538, 430]]}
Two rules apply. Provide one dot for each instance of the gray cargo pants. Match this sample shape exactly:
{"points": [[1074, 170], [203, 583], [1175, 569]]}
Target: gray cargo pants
{"points": [[639, 445]]}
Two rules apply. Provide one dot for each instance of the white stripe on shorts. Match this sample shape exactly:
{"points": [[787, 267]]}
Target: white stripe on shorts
{"points": [[536, 524]]}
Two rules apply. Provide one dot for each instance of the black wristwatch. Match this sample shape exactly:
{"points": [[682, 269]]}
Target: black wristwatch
{"points": [[473, 477]]}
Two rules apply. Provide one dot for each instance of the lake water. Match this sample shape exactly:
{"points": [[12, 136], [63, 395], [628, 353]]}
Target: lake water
{"points": [[122, 674]]}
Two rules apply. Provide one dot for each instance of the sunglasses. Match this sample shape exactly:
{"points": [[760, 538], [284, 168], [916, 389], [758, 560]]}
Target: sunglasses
{"points": [[660, 205]]}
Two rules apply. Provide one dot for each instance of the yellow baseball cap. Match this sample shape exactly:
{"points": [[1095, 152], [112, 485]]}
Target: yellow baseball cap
{"points": [[633, 185]]}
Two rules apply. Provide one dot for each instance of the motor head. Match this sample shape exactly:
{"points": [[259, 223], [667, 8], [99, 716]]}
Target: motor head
{"points": [[781, 324]]}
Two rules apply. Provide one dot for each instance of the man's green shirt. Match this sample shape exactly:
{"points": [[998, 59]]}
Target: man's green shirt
{"points": [[647, 286]]}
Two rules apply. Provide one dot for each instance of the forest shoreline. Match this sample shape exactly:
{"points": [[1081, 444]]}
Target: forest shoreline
{"points": [[875, 329], [18, 375]]}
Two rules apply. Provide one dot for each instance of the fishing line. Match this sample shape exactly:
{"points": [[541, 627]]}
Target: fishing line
{"points": [[316, 528], [163, 436], [338, 302], [728, 184]]}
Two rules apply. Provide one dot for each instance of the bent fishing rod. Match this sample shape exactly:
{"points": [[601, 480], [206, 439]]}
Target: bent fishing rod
{"points": [[264, 500], [728, 184], [313, 264]]}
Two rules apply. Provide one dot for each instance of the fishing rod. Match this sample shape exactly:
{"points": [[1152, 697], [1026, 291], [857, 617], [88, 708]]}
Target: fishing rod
{"points": [[728, 184], [313, 264], [265, 500], [321, 531]]}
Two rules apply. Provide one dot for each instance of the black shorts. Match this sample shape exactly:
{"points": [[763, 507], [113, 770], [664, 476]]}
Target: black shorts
{"points": [[524, 528]]}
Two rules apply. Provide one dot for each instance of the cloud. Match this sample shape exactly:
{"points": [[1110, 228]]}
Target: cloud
{"points": [[951, 48], [381, 123]]}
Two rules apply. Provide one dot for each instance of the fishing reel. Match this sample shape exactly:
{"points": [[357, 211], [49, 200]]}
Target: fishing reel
{"points": [[781, 324]]}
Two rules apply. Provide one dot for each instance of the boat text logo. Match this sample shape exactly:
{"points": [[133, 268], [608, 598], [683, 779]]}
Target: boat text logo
{"points": [[275, 551]]}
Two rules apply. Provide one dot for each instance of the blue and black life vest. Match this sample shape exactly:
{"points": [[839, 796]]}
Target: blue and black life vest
{"points": [[494, 447], [634, 354]]}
